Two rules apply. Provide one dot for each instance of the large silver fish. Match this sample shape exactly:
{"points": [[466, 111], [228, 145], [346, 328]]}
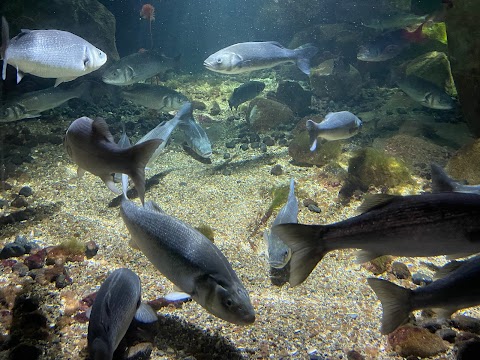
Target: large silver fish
{"points": [[117, 303], [458, 290], [138, 67], [155, 97], [441, 182], [91, 146], [31, 104], [335, 126], [196, 137], [279, 253], [49, 54], [189, 260], [425, 93], [249, 56], [414, 225]]}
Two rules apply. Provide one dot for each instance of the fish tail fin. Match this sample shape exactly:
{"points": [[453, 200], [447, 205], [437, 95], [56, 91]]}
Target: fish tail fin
{"points": [[395, 303], [313, 131], [307, 245], [304, 54], [125, 185], [3, 48], [441, 182], [99, 349], [141, 153]]}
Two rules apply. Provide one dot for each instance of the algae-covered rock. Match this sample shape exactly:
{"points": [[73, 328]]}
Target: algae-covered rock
{"points": [[435, 31], [299, 150], [409, 341], [465, 163], [379, 265], [265, 114], [294, 96], [371, 167]]}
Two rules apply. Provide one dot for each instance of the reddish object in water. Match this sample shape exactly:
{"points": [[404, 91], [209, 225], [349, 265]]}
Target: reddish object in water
{"points": [[148, 12]]}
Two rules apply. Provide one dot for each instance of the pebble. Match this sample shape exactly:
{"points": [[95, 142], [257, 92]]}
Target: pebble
{"points": [[244, 147], [267, 140], [355, 355], [263, 147], [26, 191], [415, 341], [307, 202], [230, 144], [447, 335], [400, 270], [5, 186], [21, 240], [3, 203], [276, 170], [20, 269], [226, 155], [314, 208], [91, 249], [466, 323], [421, 279], [19, 202], [12, 250]]}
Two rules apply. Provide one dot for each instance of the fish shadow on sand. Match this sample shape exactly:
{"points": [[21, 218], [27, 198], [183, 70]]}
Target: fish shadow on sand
{"points": [[246, 164], [191, 340], [36, 214]]}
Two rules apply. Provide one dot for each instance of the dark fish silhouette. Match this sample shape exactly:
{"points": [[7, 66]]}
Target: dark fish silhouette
{"points": [[245, 92]]}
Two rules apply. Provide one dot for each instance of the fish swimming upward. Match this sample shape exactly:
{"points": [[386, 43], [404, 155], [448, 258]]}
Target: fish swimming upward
{"points": [[49, 54], [414, 225], [91, 146]]}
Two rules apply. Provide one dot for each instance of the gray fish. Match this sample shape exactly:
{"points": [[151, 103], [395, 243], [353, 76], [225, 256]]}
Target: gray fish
{"points": [[164, 130], [397, 21], [138, 67], [155, 97], [245, 92], [49, 54], [441, 182], [414, 225], [196, 137], [117, 303], [249, 56], [425, 92], [90, 145], [279, 253], [123, 143], [458, 290], [189, 260], [335, 126], [31, 104]]}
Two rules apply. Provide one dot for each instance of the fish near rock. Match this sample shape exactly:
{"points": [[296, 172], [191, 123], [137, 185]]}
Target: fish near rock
{"points": [[91, 146], [249, 56], [155, 97], [245, 92], [425, 93], [335, 126], [49, 54]]}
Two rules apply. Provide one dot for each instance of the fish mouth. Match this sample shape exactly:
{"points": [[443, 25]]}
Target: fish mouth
{"points": [[207, 65]]}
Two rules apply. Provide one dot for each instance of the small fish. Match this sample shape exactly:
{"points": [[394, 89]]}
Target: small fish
{"points": [[32, 104], [279, 253], [90, 145], [245, 92], [117, 303], [196, 137], [425, 92], [441, 182], [155, 97], [49, 54], [459, 289], [335, 126], [164, 130], [249, 56], [414, 225], [138, 67], [188, 259], [397, 21]]}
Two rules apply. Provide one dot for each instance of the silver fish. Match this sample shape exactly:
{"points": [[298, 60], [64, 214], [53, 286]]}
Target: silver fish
{"points": [[441, 182], [249, 56], [189, 260], [279, 253], [196, 137], [335, 126], [425, 93], [155, 97], [414, 225], [458, 290], [164, 130], [32, 104], [117, 303], [49, 54], [138, 67], [90, 145]]}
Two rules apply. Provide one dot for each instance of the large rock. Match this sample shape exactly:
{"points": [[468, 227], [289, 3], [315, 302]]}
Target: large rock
{"points": [[465, 164], [265, 114], [326, 152], [294, 96], [464, 54]]}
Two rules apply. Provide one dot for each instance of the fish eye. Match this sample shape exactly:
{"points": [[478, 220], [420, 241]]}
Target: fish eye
{"points": [[219, 60], [228, 302]]}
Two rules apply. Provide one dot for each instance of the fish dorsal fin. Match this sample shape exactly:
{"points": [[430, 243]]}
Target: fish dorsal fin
{"points": [[276, 43], [152, 206], [375, 201], [100, 129], [328, 115]]}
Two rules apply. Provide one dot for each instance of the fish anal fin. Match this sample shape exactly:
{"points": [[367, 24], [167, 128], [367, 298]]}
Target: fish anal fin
{"points": [[133, 244]]}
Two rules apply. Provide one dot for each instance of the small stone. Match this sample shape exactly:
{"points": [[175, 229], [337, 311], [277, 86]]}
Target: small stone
{"points": [[466, 323], [226, 155], [400, 270], [263, 147], [255, 145], [447, 335], [414, 341], [421, 279], [355, 355], [91, 249], [230, 145], [307, 202], [19, 202], [21, 240], [276, 170], [31, 245], [62, 281], [267, 140], [140, 351], [244, 147], [12, 250], [36, 260], [314, 208], [20, 269], [283, 142], [254, 138], [3, 203], [215, 110], [26, 191], [5, 186]]}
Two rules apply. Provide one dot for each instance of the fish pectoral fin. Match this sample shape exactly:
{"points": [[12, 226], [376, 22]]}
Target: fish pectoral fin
{"points": [[444, 313], [65, 79], [364, 256], [145, 314], [458, 256], [80, 172], [133, 244], [19, 75], [376, 201], [177, 296], [108, 180]]}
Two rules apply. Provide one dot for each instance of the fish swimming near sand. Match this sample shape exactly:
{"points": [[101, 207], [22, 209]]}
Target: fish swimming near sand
{"points": [[188, 259], [249, 56], [413, 225], [49, 54], [91, 146], [279, 253], [441, 182], [459, 289], [245, 92], [117, 303], [335, 126], [425, 93], [155, 97], [196, 137]]}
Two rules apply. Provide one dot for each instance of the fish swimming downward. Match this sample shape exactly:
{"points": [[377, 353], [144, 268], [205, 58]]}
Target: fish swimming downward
{"points": [[188, 259], [117, 303], [458, 290], [196, 137], [441, 182], [91, 146], [49, 54], [413, 225], [335, 126], [249, 56]]}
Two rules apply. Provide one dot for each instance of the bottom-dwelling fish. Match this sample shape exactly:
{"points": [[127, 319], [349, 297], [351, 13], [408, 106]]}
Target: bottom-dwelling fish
{"points": [[441, 182], [458, 290], [414, 225], [196, 137], [117, 303]]}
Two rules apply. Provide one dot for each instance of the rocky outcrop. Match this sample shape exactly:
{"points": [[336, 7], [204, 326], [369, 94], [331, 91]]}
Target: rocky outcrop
{"points": [[265, 114]]}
